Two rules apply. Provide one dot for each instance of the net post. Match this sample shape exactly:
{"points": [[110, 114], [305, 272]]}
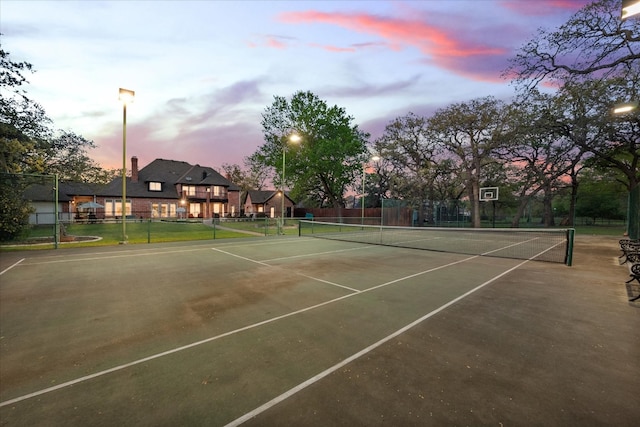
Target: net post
{"points": [[568, 260]]}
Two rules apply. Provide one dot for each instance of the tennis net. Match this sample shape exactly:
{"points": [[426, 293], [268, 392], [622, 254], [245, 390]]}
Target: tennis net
{"points": [[552, 245]]}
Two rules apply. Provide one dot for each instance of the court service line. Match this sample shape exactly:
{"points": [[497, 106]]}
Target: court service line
{"points": [[214, 338], [241, 257], [120, 255], [330, 283], [515, 244], [357, 248], [355, 356], [299, 274], [11, 266]]}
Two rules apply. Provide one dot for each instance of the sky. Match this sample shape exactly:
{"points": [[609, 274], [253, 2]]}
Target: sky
{"points": [[203, 71]]}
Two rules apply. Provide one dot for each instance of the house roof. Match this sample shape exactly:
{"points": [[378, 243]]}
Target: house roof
{"points": [[169, 173], [66, 191], [259, 196], [263, 196]]}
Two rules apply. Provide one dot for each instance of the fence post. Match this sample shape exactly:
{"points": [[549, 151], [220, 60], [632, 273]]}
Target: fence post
{"points": [[56, 238]]}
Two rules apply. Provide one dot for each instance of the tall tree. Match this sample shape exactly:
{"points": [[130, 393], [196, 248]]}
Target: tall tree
{"points": [[612, 141], [407, 146], [252, 178], [470, 132], [28, 146], [593, 43], [594, 46], [536, 156], [328, 157], [22, 123]]}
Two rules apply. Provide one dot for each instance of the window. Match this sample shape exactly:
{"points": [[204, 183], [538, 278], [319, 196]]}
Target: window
{"points": [[216, 191], [163, 210], [155, 186], [189, 190], [114, 207]]}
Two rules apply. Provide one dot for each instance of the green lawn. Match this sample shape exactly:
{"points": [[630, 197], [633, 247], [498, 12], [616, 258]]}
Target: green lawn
{"points": [[137, 232], [262, 226], [154, 232]]}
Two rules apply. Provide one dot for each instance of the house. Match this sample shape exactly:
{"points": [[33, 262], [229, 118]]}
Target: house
{"points": [[162, 189], [171, 189], [70, 195], [268, 202]]}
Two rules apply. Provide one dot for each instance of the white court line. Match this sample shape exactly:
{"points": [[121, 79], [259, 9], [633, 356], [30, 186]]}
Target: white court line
{"points": [[207, 340], [119, 255], [132, 253], [329, 283], [11, 266], [241, 257], [516, 244], [357, 248], [299, 274], [326, 372]]}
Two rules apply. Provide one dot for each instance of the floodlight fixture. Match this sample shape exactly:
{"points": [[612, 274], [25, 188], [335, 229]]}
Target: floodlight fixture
{"points": [[630, 8], [624, 108]]}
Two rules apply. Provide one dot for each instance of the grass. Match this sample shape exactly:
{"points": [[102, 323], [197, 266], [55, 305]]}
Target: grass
{"points": [[137, 232], [262, 226], [155, 232]]}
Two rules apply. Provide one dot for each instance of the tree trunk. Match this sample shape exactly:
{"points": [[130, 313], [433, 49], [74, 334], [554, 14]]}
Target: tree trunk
{"points": [[548, 217], [515, 222], [572, 202], [475, 203]]}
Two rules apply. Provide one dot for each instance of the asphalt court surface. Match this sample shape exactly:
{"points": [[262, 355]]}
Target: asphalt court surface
{"points": [[300, 331]]}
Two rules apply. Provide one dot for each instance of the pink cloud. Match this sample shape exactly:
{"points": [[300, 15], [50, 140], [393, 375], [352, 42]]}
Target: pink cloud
{"points": [[429, 39], [444, 47], [332, 48], [275, 42], [541, 8]]}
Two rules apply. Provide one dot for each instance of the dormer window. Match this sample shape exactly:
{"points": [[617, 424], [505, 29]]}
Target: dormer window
{"points": [[155, 186]]}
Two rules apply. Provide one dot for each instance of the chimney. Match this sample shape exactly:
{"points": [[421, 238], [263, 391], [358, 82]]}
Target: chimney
{"points": [[134, 169]]}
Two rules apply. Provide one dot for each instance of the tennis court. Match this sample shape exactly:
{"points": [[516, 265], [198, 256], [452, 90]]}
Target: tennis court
{"points": [[306, 331]]}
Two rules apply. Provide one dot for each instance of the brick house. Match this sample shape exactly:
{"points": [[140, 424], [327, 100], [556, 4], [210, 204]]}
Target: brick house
{"points": [[268, 202], [70, 195], [170, 189]]}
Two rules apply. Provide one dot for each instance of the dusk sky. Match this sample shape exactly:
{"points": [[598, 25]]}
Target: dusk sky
{"points": [[204, 71]]}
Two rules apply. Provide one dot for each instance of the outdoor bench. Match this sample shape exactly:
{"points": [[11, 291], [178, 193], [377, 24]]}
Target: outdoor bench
{"points": [[628, 246], [631, 255]]}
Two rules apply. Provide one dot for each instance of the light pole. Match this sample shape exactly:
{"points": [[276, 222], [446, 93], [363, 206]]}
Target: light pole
{"points": [[208, 202], [126, 96], [295, 138], [633, 208], [373, 158]]}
